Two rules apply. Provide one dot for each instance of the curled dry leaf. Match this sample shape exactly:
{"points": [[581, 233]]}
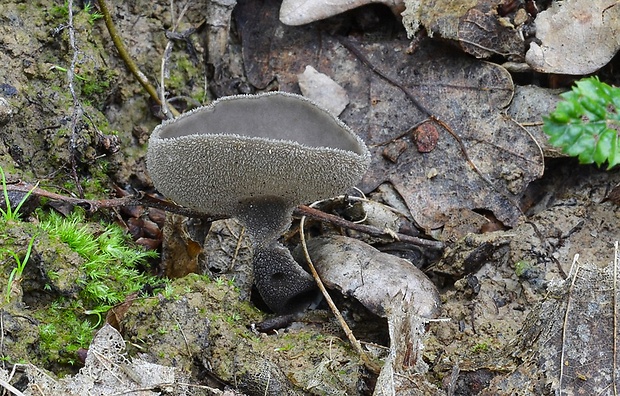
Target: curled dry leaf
{"points": [[577, 37], [373, 278], [300, 12], [388, 286], [475, 24]]}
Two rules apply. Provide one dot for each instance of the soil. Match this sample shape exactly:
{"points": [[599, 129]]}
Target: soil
{"points": [[492, 284]]}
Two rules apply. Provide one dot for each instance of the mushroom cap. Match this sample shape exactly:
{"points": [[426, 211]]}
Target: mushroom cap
{"points": [[217, 158]]}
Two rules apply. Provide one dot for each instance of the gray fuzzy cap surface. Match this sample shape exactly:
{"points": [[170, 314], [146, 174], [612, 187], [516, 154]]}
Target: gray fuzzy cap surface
{"points": [[216, 158]]}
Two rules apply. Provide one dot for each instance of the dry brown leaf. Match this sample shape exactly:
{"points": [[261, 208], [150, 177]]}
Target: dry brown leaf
{"points": [[577, 37], [469, 96]]}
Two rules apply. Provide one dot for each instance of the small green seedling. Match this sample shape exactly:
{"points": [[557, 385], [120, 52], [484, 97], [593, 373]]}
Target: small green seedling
{"points": [[586, 123], [16, 274], [64, 70], [62, 11], [285, 348], [93, 14], [9, 213]]}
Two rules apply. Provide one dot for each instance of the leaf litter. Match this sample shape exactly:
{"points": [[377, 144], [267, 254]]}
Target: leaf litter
{"points": [[483, 160], [477, 26], [569, 342], [384, 113]]}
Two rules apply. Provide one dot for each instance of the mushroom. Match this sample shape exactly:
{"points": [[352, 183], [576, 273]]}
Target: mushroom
{"points": [[257, 157]]}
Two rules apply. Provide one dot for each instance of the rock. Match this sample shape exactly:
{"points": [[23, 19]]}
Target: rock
{"points": [[322, 90]]}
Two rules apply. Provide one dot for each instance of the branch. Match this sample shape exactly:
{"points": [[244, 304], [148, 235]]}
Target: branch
{"points": [[142, 199], [131, 65], [316, 214]]}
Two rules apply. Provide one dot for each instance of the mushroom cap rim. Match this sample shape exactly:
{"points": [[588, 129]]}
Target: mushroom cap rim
{"points": [[363, 150]]}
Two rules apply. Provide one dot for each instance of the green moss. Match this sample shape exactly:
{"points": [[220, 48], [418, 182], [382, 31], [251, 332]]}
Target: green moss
{"points": [[95, 84], [521, 267], [481, 347], [108, 273], [111, 265], [186, 79]]}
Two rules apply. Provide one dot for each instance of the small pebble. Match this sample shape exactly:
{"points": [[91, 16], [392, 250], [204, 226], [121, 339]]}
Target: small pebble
{"points": [[322, 90], [6, 111]]}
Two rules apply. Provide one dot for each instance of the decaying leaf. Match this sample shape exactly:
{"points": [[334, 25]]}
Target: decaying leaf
{"points": [[484, 165], [568, 344], [388, 286], [359, 270], [529, 104], [400, 374], [475, 24], [107, 371], [272, 50], [180, 252], [577, 37], [228, 254]]}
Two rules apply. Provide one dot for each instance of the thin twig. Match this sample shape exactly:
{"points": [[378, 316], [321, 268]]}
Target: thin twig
{"points": [[160, 386], [370, 365], [77, 107], [615, 337], [304, 210], [2, 336], [574, 269], [93, 205], [237, 249], [164, 59], [189, 351], [10, 388], [122, 51], [141, 199]]}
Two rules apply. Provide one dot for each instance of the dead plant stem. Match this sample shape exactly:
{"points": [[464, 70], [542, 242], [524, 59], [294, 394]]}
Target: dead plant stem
{"points": [[304, 210], [122, 51], [615, 336], [165, 109], [141, 199], [77, 106]]}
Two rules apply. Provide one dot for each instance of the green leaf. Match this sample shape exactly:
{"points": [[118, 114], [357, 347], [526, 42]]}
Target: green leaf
{"points": [[586, 123]]}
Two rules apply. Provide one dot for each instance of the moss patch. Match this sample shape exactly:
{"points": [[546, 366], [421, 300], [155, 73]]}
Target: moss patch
{"points": [[76, 272]]}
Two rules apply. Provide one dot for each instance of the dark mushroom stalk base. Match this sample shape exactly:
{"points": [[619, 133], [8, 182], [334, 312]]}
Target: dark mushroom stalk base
{"points": [[283, 285], [257, 157]]}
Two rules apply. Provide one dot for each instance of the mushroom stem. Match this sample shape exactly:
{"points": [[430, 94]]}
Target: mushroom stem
{"points": [[284, 286], [266, 218]]}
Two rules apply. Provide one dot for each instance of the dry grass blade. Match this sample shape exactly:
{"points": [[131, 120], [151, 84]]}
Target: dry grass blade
{"points": [[10, 388], [370, 365], [615, 336]]}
